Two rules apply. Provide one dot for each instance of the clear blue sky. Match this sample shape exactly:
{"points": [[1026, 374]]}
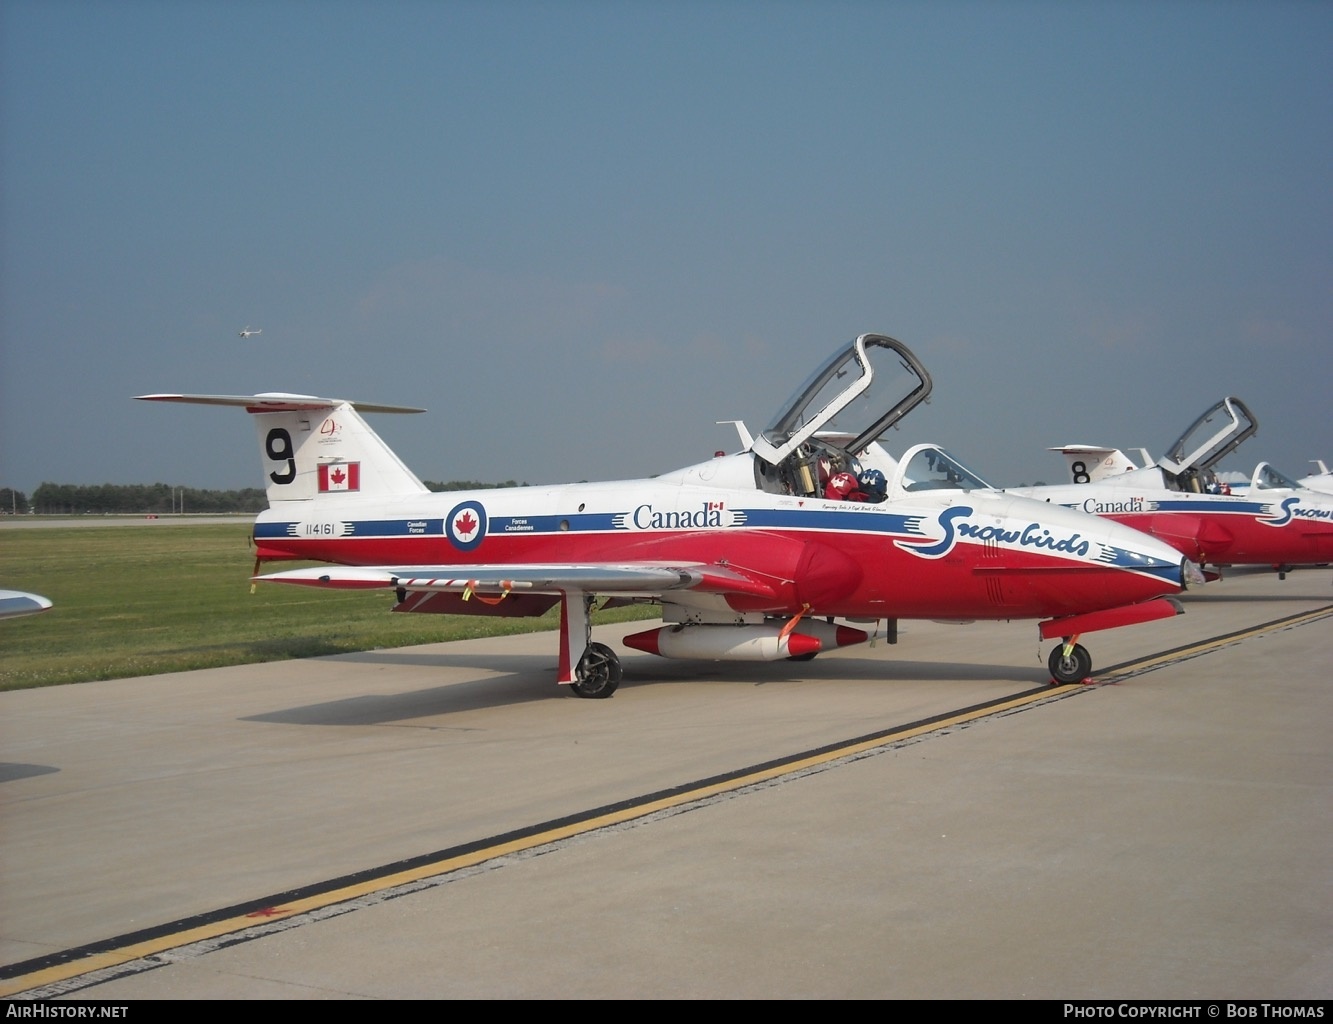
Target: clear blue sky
{"points": [[579, 233]]}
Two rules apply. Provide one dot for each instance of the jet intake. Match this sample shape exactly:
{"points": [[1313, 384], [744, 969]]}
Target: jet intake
{"points": [[754, 642]]}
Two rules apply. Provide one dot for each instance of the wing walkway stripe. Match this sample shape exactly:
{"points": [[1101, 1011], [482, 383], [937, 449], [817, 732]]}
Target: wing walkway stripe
{"points": [[121, 950]]}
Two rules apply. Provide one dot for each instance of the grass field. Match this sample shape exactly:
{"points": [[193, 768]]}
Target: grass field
{"points": [[139, 600]]}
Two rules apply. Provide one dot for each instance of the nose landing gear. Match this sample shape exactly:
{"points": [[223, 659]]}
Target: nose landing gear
{"points": [[1070, 662]]}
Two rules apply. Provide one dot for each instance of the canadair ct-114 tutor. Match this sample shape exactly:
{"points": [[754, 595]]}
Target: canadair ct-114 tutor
{"points": [[1181, 499], [751, 556]]}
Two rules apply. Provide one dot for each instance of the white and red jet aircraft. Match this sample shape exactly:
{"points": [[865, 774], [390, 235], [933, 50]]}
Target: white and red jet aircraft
{"points": [[1180, 498], [747, 554]]}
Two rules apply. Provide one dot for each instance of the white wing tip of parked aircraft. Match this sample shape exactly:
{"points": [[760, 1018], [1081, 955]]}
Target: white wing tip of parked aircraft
{"points": [[18, 602]]}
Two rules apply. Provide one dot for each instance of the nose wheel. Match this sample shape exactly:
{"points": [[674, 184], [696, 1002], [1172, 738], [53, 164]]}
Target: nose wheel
{"points": [[1070, 663], [598, 673]]}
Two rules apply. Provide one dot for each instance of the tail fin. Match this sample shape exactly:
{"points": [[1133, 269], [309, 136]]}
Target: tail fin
{"points": [[311, 447], [1088, 463]]}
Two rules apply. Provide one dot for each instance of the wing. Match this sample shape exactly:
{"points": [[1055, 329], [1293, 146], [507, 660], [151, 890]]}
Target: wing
{"points": [[19, 602], [626, 579], [531, 589]]}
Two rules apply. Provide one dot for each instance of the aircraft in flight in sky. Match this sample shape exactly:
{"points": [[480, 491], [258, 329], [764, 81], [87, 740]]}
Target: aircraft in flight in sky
{"points": [[751, 556], [248, 333]]}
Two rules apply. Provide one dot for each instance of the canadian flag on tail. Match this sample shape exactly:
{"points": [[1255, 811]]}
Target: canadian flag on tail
{"points": [[339, 476]]}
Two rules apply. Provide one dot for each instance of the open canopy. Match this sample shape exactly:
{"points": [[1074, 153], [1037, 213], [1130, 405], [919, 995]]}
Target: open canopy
{"points": [[849, 401], [1215, 434]]}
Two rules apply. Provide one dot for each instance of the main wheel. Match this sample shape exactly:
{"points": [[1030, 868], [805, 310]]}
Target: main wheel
{"points": [[1073, 669], [598, 673]]}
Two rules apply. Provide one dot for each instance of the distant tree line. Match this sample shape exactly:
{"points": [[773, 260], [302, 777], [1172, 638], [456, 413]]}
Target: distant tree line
{"points": [[100, 499], [467, 485]]}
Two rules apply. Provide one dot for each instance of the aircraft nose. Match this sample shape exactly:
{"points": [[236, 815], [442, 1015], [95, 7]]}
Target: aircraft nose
{"points": [[1145, 557]]}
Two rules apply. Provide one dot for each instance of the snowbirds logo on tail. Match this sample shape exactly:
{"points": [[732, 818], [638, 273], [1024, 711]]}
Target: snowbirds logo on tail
{"points": [[751, 556]]}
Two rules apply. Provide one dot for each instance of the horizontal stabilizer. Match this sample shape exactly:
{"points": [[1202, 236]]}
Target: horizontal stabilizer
{"points": [[314, 448], [277, 401]]}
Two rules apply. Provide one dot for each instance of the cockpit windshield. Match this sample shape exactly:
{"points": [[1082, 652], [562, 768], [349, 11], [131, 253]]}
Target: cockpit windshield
{"points": [[934, 469], [1266, 478]]}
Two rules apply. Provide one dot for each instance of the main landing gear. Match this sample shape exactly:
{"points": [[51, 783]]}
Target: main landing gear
{"points": [[1070, 663], [598, 673]]}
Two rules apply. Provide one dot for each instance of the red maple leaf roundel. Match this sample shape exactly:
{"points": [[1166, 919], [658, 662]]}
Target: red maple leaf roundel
{"points": [[465, 523]]}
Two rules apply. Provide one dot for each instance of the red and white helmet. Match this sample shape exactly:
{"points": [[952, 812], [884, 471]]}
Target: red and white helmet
{"points": [[840, 484]]}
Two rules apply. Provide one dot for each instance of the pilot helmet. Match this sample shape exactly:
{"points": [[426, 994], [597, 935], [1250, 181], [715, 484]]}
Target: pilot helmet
{"points": [[873, 483]]}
